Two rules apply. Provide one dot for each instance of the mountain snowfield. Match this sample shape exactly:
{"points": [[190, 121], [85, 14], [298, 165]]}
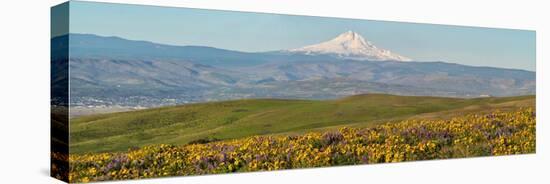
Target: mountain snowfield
{"points": [[351, 45]]}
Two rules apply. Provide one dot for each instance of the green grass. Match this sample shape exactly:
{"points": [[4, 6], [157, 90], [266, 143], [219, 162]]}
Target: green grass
{"points": [[241, 118]]}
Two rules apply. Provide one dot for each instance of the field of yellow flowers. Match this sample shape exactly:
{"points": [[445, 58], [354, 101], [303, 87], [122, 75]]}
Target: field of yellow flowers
{"points": [[498, 133]]}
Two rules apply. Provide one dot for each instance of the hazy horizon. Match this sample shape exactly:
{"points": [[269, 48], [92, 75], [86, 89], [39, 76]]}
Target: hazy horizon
{"points": [[260, 32]]}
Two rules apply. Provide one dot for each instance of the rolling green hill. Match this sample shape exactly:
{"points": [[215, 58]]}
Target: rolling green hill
{"points": [[241, 118]]}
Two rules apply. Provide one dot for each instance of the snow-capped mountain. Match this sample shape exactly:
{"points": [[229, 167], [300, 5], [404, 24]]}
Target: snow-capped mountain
{"points": [[115, 68], [350, 45]]}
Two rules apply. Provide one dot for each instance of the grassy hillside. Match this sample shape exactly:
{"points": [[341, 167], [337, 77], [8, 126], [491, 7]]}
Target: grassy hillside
{"points": [[241, 118], [490, 134]]}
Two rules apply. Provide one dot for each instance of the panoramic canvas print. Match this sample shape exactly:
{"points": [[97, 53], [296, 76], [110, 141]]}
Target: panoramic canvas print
{"points": [[146, 91]]}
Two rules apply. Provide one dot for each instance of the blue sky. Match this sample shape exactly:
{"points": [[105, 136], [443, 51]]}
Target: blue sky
{"points": [[252, 32]]}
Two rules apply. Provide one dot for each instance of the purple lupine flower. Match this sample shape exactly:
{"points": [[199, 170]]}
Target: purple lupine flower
{"points": [[332, 138], [364, 159]]}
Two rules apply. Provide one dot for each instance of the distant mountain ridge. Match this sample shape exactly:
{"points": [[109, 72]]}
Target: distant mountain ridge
{"points": [[109, 70], [99, 47]]}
